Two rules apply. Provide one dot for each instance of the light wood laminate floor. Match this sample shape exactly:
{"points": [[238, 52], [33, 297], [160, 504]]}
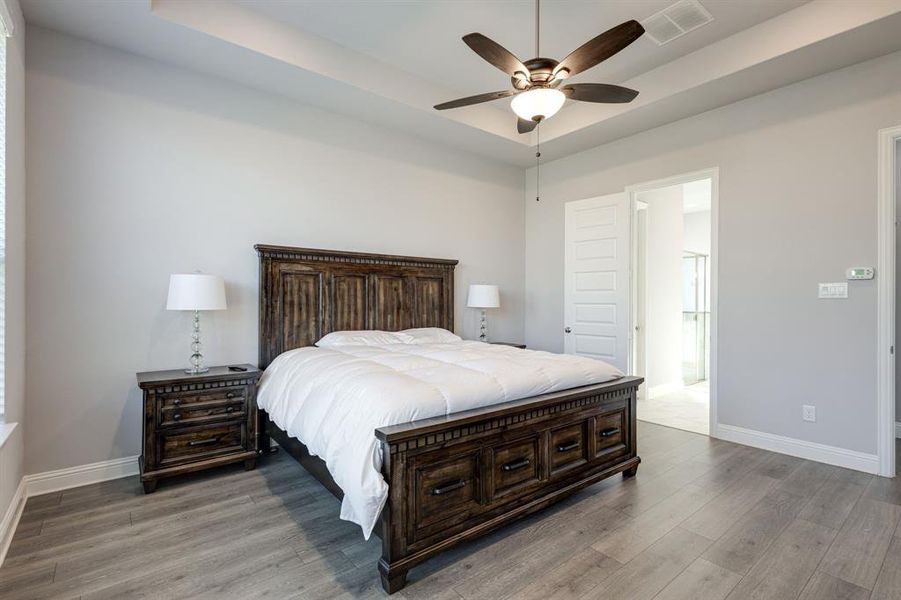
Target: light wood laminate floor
{"points": [[704, 519]]}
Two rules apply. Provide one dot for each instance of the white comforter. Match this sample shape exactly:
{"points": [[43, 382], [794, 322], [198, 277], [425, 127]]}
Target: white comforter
{"points": [[333, 399]]}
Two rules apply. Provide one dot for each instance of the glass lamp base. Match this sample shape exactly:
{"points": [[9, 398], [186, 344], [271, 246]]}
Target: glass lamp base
{"points": [[198, 371]]}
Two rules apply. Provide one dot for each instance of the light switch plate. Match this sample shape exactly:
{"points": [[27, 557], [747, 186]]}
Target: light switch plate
{"points": [[838, 289]]}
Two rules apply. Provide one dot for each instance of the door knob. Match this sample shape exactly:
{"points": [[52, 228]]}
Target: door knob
{"points": [[568, 330]]}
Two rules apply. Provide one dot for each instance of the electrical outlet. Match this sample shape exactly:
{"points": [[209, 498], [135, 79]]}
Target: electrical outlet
{"points": [[809, 413]]}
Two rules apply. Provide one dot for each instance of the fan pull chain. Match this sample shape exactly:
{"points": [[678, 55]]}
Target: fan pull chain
{"points": [[538, 163]]}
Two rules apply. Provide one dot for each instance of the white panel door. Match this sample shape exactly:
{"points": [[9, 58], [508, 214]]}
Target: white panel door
{"points": [[597, 283]]}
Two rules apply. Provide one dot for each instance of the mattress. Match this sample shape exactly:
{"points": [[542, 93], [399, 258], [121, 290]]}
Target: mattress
{"points": [[333, 398]]}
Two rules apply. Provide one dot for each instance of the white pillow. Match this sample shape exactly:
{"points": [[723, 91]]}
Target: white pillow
{"points": [[431, 335], [362, 338]]}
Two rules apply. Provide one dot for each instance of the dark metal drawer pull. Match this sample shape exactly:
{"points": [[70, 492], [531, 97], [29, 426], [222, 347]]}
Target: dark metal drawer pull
{"points": [[203, 442], [513, 465], [177, 401], [609, 432], [230, 395], [567, 446], [230, 409], [440, 490], [176, 416]]}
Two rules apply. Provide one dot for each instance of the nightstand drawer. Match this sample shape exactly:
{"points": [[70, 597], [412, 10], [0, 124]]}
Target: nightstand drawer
{"points": [[195, 422], [181, 399], [202, 412], [181, 445]]}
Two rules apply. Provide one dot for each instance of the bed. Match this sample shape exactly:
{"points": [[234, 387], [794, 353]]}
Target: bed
{"points": [[465, 437]]}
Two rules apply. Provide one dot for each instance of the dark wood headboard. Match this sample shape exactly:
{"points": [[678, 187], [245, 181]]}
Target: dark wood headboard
{"points": [[307, 293]]}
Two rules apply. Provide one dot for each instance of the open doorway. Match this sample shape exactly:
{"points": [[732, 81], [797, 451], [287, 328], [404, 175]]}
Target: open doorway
{"points": [[672, 308]]}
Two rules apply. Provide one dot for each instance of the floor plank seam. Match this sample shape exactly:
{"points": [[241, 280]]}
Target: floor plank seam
{"points": [[812, 575], [882, 564], [826, 553]]}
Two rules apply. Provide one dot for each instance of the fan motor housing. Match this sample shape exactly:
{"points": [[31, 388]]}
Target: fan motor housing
{"points": [[541, 71]]}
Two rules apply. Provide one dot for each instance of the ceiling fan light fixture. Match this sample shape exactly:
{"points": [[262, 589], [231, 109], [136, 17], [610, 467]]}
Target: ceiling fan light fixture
{"points": [[538, 104]]}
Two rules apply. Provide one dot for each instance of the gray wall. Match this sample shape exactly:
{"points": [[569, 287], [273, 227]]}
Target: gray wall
{"points": [[137, 170], [797, 207], [12, 451]]}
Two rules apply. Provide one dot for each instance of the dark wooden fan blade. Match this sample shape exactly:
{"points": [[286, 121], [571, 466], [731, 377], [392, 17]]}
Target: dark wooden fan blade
{"points": [[496, 54], [599, 92], [523, 126], [600, 48], [474, 99]]}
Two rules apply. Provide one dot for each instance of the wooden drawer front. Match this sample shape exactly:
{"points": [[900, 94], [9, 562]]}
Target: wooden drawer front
{"points": [[446, 490], [181, 399], [569, 446], [514, 466], [202, 412], [183, 445], [611, 434]]}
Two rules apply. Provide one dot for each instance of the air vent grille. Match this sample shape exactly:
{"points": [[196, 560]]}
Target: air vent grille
{"points": [[676, 20]]}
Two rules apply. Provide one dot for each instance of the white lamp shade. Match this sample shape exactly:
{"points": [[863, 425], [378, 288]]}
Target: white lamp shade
{"points": [[540, 102], [483, 296], [196, 291]]}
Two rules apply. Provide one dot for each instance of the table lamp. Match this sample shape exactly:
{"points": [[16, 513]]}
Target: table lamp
{"points": [[197, 292], [483, 296]]}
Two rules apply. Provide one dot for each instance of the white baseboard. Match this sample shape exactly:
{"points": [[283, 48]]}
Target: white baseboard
{"points": [[11, 519], [897, 429], [55, 481], [831, 455], [63, 479]]}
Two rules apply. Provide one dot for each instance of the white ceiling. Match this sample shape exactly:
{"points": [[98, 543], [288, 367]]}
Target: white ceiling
{"points": [[423, 38], [389, 61]]}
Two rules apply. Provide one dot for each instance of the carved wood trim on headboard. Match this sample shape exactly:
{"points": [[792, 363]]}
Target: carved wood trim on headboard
{"points": [[307, 293]]}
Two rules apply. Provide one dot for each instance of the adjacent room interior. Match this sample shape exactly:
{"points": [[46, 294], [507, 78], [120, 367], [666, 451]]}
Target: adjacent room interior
{"points": [[503, 299], [672, 307]]}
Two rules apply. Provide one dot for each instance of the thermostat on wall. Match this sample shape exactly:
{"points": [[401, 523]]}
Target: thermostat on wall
{"points": [[860, 273]]}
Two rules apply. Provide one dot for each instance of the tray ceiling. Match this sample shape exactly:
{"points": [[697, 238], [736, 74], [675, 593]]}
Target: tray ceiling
{"points": [[388, 62]]}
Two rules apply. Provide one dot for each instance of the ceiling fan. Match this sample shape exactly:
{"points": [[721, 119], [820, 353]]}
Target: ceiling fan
{"points": [[537, 92]]}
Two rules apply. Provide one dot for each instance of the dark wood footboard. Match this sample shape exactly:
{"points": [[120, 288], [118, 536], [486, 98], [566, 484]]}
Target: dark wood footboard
{"points": [[455, 478]]}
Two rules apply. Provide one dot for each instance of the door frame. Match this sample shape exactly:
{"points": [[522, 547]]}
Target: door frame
{"points": [[887, 140], [712, 173], [636, 315]]}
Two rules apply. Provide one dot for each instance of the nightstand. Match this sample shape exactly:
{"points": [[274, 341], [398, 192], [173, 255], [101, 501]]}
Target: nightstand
{"points": [[520, 346], [194, 422]]}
